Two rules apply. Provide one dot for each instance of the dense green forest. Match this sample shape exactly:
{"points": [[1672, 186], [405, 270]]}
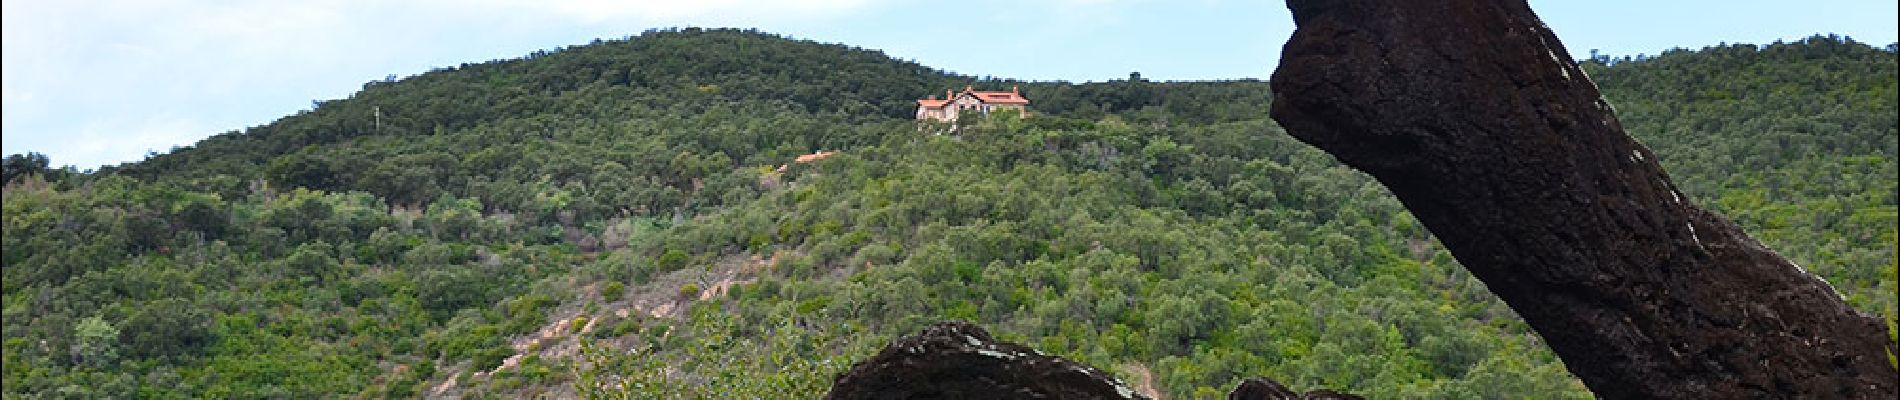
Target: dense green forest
{"points": [[611, 220]]}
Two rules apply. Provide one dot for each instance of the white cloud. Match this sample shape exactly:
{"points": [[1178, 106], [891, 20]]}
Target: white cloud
{"points": [[94, 82], [112, 141]]}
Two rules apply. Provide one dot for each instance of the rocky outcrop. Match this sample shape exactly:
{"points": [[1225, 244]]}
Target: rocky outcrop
{"points": [[956, 360], [1475, 115], [1267, 389]]}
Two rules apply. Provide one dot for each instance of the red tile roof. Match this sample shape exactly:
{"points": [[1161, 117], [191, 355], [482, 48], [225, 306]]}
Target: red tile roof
{"points": [[806, 158], [1000, 97], [1014, 96], [813, 156]]}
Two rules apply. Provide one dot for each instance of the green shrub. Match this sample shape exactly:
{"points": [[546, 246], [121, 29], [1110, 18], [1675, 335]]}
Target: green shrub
{"points": [[576, 325], [689, 291], [672, 260], [612, 291]]}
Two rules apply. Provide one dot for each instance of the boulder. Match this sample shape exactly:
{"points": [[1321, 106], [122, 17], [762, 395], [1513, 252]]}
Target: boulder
{"points": [[957, 360]]}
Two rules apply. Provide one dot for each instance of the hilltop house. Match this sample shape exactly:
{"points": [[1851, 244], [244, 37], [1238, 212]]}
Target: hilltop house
{"points": [[953, 104]]}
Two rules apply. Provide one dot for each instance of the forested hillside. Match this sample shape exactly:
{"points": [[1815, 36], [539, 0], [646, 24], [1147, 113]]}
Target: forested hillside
{"points": [[611, 220], [1794, 141]]}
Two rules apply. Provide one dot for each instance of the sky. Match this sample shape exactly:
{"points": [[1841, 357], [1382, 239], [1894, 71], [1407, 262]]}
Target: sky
{"points": [[100, 82]]}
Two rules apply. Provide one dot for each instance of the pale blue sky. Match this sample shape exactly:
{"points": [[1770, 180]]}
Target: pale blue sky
{"points": [[94, 82]]}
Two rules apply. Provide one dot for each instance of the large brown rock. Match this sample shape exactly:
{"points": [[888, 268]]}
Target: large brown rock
{"points": [[957, 360], [1475, 115]]}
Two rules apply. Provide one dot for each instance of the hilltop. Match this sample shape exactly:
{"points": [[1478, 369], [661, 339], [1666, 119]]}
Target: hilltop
{"points": [[606, 219]]}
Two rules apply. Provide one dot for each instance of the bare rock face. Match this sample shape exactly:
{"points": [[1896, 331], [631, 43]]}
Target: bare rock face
{"points": [[956, 360], [1475, 115]]}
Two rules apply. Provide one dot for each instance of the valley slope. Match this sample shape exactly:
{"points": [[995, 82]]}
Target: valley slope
{"points": [[610, 220]]}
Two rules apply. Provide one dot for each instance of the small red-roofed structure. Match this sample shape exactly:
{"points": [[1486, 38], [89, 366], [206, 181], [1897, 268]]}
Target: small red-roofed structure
{"points": [[954, 104], [806, 158], [813, 156]]}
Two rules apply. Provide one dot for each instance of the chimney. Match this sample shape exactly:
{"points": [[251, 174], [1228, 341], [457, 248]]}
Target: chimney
{"points": [[968, 88], [947, 95], [1016, 89]]}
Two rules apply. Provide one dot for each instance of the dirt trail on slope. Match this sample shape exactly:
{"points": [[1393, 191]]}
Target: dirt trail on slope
{"points": [[1144, 380], [661, 297]]}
